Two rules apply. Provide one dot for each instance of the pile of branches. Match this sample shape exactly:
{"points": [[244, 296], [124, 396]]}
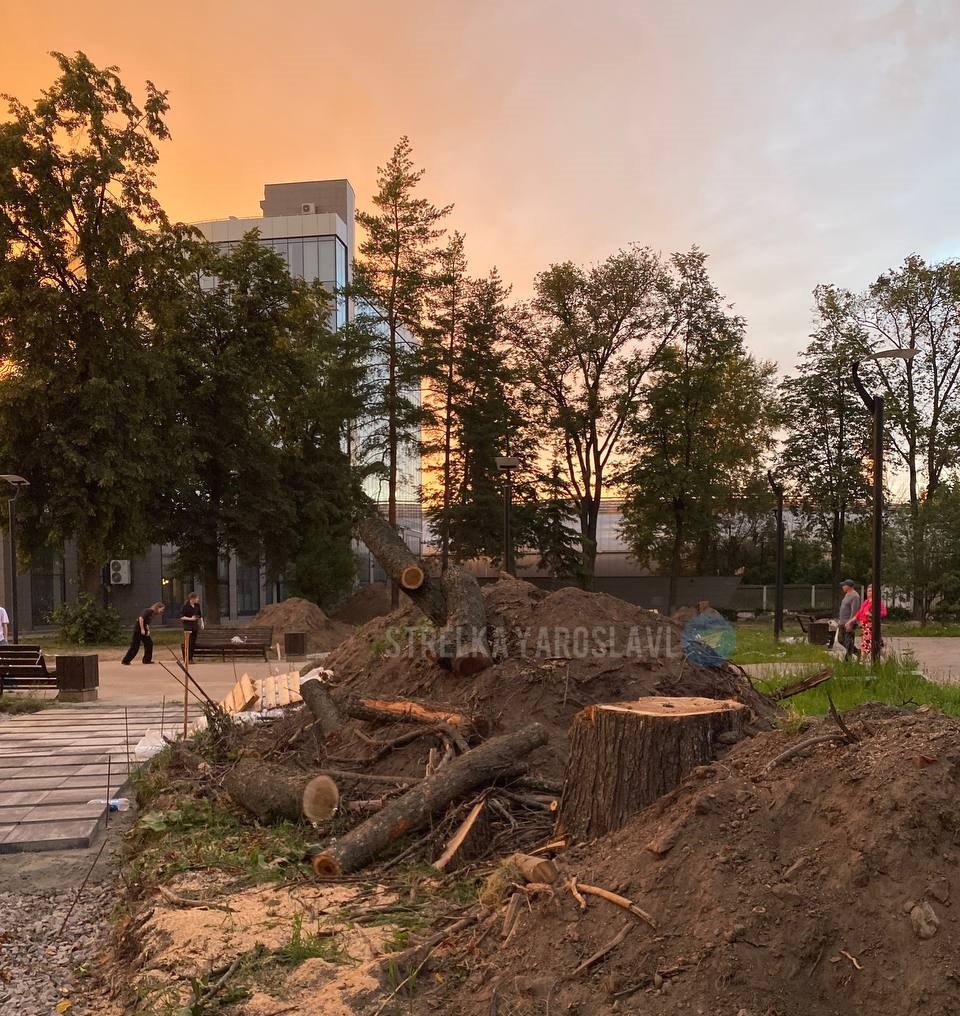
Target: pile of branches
{"points": [[474, 800]]}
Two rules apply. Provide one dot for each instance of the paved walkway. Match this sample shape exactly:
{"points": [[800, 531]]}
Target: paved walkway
{"points": [[55, 762], [937, 657]]}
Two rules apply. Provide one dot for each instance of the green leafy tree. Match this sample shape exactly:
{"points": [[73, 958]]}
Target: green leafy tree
{"points": [[249, 341], [703, 428], [83, 246], [827, 430], [549, 525], [590, 338], [917, 307], [393, 277]]}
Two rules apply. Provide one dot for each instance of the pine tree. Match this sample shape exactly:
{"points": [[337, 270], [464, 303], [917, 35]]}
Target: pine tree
{"points": [[392, 280]]}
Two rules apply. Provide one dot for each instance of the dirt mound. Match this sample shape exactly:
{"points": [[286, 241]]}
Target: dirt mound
{"points": [[826, 885], [296, 615], [365, 604], [557, 652]]}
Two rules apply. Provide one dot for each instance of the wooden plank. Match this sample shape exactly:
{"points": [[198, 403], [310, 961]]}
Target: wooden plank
{"points": [[243, 696]]}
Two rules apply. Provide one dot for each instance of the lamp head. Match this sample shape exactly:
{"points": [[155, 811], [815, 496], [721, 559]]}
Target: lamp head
{"points": [[507, 462], [893, 354], [16, 481]]}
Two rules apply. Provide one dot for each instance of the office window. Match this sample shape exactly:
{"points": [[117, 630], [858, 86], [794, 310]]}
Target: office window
{"points": [[248, 588]]}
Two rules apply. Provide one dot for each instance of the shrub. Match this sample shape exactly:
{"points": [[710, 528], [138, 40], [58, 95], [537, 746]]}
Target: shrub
{"points": [[87, 622]]}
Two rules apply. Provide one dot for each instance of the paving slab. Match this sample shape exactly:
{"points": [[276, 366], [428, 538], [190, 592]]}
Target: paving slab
{"points": [[53, 764]]}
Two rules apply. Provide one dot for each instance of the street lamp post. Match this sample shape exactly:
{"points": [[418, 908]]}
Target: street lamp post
{"points": [[874, 405], [507, 464], [17, 482], [777, 489]]}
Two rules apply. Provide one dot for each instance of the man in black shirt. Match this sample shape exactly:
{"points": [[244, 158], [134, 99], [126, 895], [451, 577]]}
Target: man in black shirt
{"points": [[191, 617], [141, 634]]}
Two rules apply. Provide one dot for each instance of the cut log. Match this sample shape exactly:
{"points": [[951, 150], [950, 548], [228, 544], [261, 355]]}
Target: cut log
{"points": [[274, 794], [492, 760], [320, 702], [626, 755], [396, 559], [805, 684], [386, 711], [536, 869], [462, 645]]}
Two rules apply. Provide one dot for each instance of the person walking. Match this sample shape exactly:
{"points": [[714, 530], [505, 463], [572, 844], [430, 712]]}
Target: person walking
{"points": [[5, 624], [141, 635], [191, 617], [865, 618], [849, 607]]}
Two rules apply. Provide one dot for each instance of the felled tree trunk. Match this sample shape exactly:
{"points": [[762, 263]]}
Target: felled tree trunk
{"points": [[462, 645], [320, 702], [387, 546], [482, 765], [275, 794], [624, 756], [387, 711]]}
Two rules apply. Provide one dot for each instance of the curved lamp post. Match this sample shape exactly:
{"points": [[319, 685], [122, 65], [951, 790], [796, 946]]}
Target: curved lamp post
{"points": [[17, 482], [874, 404]]}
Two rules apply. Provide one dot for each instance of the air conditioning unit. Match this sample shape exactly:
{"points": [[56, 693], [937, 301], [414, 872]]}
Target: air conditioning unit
{"points": [[120, 573], [308, 208]]}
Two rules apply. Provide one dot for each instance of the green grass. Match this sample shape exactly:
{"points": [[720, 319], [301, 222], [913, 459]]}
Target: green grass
{"points": [[310, 946], [895, 681], [755, 644], [15, 704], [51, 643], [203, 836], [935, 629]]}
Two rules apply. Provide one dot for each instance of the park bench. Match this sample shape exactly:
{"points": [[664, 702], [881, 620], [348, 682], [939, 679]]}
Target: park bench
{"points": [[233, 642], [23, 668]]}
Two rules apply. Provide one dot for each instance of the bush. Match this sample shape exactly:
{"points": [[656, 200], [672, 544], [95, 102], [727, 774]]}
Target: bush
{"points": [[87, 622]]}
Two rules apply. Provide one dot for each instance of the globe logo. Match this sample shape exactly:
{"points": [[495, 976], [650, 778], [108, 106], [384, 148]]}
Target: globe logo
{"points": [[708, 640]]}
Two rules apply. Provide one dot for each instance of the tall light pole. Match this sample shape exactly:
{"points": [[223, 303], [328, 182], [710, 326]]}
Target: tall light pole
{"points": [[507, 464], [777, 489], [874, 405], [17, 482]]}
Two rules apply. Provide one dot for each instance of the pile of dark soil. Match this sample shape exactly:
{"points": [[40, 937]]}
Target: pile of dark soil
{"points": [[298, 615], [826, 885], [365, 604], [557, 652]]}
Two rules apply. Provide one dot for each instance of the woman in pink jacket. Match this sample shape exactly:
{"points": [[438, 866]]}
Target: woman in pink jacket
{"points": [[864, 617]]}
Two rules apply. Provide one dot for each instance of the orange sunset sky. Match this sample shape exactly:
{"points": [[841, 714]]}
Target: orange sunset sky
{"points": [[796, 143]]}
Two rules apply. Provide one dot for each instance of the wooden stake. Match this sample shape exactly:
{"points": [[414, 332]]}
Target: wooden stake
{"points": [[126, 738], [186, 670]]}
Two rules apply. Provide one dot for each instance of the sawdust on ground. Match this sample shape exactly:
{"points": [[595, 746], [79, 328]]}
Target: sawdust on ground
{"points": [[178, 943]]}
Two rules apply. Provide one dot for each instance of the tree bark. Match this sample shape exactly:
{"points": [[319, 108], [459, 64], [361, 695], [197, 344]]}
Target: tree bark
{"points": [[272, 793], [482, 765], [320, 702], [462, 645], [396, 559], [624, 756], [386, 711]]}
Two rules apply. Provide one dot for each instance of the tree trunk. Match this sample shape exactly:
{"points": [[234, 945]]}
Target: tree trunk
{"points": [[462, 645], [492, 760], [211, 595], [674, 566], [384, 711], [275, 794], [624, 756], [836, 560], [91, 579], [320, 702], [396, 559], [393, 447], [589, 512]]}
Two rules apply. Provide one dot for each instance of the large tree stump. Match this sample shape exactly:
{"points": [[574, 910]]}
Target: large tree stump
{"points": [[396, 559], [462, 645], [492, 760], [275, 794], [624, 756]]}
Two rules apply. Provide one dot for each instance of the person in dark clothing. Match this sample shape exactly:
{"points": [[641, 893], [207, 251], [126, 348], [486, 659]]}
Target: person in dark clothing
{"points": [[141, 635], [191, 617]]}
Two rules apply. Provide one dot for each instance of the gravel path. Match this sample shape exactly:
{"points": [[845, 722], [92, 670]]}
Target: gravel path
{"points": [[38, 966]]}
